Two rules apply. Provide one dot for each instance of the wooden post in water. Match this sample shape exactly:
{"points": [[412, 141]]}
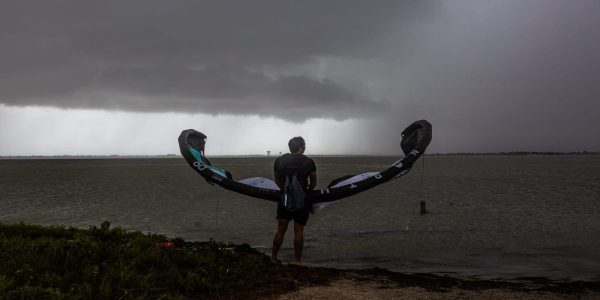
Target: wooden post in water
{"points": [[423, 208]]}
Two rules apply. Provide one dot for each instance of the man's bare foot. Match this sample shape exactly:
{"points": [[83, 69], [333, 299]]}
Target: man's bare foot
{"points": [[298, 264], [275, 261]]}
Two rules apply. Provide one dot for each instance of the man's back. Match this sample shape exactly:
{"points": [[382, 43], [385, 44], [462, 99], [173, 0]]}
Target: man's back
{"points": [[289, 163]]}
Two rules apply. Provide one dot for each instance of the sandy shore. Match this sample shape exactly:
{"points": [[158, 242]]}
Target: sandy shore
{"points": [[382, 284], [349, 289]]}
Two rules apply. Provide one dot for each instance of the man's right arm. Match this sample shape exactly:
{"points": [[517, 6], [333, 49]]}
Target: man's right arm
{"points": [[278, 179], [276, 176]]}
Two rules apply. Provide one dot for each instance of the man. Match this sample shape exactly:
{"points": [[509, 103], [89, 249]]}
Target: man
{"points": [[307, 177]]}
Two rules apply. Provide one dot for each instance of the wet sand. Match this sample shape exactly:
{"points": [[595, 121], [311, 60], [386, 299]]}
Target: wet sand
{"points": [[382, 284], [347, 289]]}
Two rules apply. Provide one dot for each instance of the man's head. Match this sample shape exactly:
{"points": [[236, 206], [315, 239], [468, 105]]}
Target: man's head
{"points": [[296, 144]]}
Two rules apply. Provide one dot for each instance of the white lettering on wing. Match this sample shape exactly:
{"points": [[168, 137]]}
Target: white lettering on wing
{"points": [[398, 164], [200, 166]]}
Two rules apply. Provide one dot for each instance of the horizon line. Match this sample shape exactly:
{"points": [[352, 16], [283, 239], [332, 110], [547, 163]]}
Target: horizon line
{"points": [[516, 153]]}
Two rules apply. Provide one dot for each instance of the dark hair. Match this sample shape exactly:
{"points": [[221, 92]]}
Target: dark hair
{"points": [[296, 143]]}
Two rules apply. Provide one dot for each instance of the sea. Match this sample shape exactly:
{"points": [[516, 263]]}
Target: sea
{"points": [[489, 216]]}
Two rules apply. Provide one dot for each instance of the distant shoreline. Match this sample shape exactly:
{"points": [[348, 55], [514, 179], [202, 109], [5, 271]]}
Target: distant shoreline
{"points": [[513, 153]]}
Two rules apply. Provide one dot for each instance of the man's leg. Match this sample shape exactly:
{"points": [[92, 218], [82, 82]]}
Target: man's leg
{"points": [[298, 242], [282, 225]]}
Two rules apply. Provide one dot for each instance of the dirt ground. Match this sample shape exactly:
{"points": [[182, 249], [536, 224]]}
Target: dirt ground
{"points": [[383, 284], [348, 289]]}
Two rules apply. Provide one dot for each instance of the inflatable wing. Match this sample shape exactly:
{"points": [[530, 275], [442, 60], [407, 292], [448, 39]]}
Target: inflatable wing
{"points": [[415, 139]]}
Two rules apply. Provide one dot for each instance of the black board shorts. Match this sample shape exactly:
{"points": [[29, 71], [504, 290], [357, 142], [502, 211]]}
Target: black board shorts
{"points": [[299, 216]]}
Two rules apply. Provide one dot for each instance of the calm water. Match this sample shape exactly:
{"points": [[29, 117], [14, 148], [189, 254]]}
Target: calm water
{"points": [[490, 216]]}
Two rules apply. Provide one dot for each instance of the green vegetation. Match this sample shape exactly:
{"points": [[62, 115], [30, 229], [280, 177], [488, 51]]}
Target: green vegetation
{"points": [[68, 263], [109, 263]]}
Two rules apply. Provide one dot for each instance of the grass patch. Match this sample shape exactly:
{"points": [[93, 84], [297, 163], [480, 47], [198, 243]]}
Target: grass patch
{"points": [[56, 262]]}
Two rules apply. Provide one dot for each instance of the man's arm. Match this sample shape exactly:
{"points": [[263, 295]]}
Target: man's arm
{"points": [[312, 177], [276, 176], [278, 180]]}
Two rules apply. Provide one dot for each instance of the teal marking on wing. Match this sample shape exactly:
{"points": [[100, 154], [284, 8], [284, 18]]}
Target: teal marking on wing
{"points": [[198, 156]]}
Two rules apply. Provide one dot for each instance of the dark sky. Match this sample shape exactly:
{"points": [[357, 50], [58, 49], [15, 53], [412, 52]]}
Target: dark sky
{"points": [[487, 74]]}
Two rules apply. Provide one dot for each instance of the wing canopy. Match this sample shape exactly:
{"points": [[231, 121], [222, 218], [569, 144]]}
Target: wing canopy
{"points": [[415, 139]]}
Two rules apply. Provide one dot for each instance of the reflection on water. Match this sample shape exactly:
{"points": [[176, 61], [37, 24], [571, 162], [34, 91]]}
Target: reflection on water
{"points": [[492, 216]]}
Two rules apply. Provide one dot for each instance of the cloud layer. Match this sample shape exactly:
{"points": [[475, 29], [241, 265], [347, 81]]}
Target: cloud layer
{"points": [[192, 57], [480, 71]]}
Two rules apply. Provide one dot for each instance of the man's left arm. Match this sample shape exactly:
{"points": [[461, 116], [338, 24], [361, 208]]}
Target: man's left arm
{"points": [[312, 177]]}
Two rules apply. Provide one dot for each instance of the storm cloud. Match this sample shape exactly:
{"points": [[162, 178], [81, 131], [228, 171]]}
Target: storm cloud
{"points": [[485, 71], [194, 56]]}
